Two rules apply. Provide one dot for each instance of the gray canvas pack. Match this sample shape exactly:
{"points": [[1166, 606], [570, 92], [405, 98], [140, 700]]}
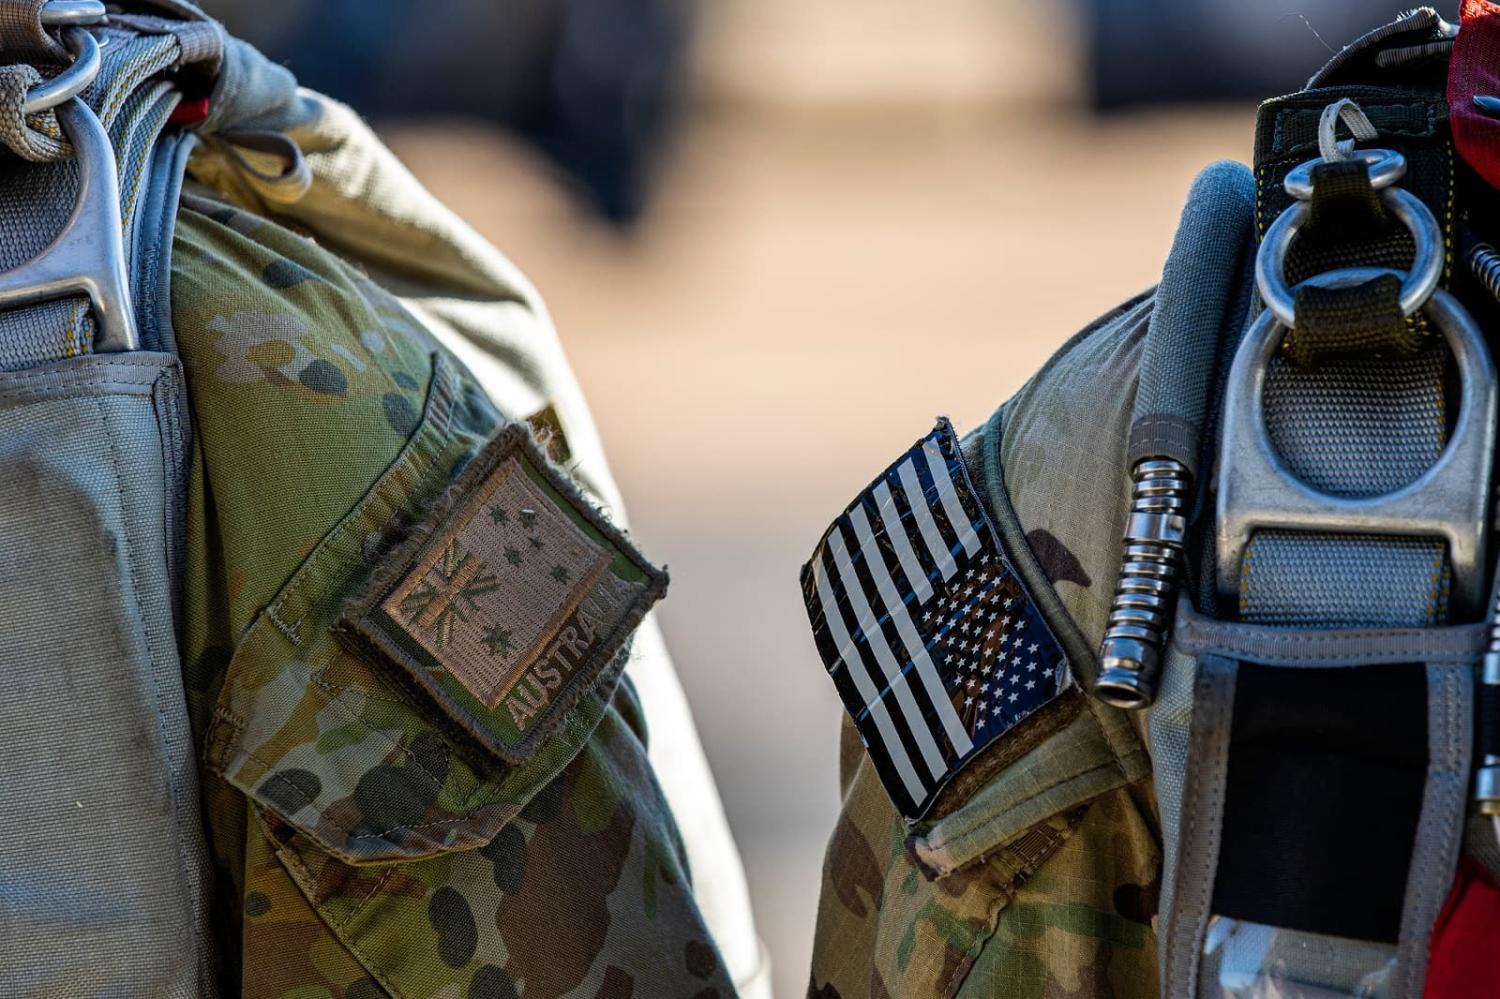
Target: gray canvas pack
{"points": [[104, 872]]}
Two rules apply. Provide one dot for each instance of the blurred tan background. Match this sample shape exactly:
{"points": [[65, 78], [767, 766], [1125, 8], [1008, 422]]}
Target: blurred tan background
{"points": [[877, 211]]}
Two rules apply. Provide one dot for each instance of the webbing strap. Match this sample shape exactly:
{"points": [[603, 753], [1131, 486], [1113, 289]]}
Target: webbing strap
{"points": [[1357, 320], [22, 37], [133, 103], [1361, 419], [1331, 581], [1361, 426], [1351, 426], [1364, 418]]}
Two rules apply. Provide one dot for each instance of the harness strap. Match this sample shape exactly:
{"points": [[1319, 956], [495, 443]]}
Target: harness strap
{"points": [[22, 37], [1349, 424], [39, 188]]}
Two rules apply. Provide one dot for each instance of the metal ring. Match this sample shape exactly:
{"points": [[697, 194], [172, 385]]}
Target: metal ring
{"points": [[65, 13], [72, 81], [1417, 286], [1386, 166]]}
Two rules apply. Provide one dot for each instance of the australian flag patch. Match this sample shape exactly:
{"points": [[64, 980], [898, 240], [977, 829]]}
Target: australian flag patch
{"points": [[933, 643]]}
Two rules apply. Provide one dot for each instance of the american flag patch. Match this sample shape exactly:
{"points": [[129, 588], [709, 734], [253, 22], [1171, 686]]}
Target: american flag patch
{"points": [[933, 643]]}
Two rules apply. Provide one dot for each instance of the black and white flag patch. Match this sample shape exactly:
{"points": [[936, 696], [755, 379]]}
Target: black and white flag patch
{"points": [[934, 645]]}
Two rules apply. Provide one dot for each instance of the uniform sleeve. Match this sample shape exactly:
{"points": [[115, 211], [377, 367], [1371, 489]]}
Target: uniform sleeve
{"points": [[1034, 870], [365, 205]]}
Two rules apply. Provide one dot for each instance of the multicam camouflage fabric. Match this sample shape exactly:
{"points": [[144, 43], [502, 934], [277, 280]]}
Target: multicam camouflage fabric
{"points": [[363, 845], [1039, 874]]}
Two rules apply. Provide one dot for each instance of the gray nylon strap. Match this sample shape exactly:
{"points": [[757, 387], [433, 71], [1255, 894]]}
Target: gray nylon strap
{"points": [[1197, 635], [1440, 828], [1200, 819], [37, 197], [1363, 426], [1351, 427], [104, 871], [1343, 581], [22, 38], [199, 41], [103, 864], [1190, 725], [1359, 426]]}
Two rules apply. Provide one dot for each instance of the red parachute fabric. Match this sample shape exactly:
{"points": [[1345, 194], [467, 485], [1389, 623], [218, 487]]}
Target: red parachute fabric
{"points": [[1474, 70], [1464, 961]]}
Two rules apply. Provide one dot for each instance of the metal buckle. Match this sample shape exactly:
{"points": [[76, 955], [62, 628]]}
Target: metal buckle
{"points": [[1450, 500], [72, 16], [88, 256]]}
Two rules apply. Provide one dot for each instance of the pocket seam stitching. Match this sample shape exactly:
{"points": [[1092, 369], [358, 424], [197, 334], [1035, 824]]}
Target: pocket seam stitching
{"points": [[239, 748], [978, 829], [301, 876]]}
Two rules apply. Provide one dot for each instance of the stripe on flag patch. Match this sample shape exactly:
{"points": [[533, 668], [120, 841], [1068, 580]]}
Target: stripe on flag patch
{"points": [[934, 645]]}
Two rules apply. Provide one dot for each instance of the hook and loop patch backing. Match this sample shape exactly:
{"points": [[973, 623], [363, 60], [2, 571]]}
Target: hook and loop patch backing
{"points": [[935, 646], [510, 599]]}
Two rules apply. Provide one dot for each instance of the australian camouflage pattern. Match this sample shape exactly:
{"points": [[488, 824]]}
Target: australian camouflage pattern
{"points": [[364, 843], [1038, 876]]}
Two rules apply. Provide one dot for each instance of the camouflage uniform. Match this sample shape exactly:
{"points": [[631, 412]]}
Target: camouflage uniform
{"points": [[369, 837], [1036, 874]]}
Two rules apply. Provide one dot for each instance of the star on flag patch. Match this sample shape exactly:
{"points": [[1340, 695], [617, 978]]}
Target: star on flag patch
{"points": [[934, 645], [510, 599]]}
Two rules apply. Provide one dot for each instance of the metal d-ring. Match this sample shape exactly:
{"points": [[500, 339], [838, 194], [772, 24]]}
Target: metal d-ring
{"points": [[1417, 284], [63, 13], [72, 81], [87, 257], [1450, 500], [1386, 166]]}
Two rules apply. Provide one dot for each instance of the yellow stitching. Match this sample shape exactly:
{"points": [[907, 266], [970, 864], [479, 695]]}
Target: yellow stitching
{"points": [[1448, 220]]}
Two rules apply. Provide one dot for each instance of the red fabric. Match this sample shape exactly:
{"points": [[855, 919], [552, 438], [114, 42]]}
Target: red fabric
{"points": [[190, 113], [1474, 68], [1464, 962]]}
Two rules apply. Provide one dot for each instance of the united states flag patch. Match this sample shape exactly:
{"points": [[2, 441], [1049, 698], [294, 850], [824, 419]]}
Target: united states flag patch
{"points": [[933, 643]]}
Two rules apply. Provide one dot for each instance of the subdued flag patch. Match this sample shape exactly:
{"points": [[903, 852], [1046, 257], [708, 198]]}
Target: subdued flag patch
{"points": [[510, 598], [934, 645]]}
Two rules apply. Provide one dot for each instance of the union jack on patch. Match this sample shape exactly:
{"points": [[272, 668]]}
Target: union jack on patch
{"points": [[933, 643]]}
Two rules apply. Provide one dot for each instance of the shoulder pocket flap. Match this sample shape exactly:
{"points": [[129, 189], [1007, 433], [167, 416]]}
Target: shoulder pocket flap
{"points": [[412, 687], [1091, 755]]}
